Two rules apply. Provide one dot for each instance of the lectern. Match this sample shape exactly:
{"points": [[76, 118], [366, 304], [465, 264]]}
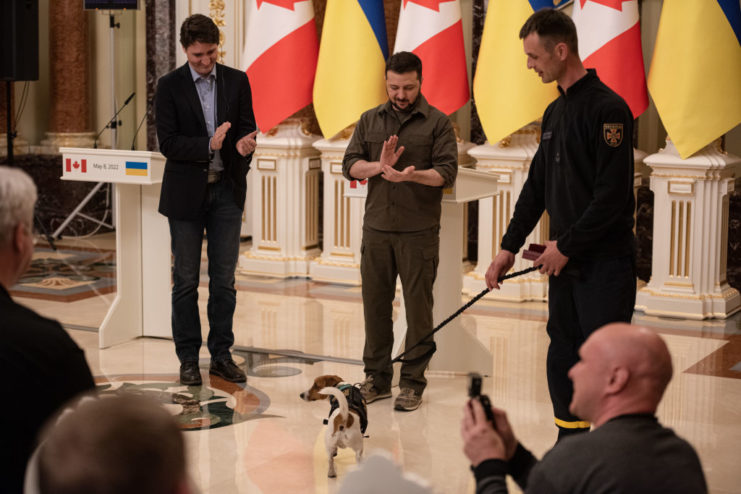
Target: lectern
{"points": [[142, 305], [457, 349]]}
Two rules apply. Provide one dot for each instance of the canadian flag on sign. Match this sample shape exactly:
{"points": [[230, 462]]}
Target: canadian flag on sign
{"points": [[432, 30], [75, 166], [280, 57], [609, 34]]}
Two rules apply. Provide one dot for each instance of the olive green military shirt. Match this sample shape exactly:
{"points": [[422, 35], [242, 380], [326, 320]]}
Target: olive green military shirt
{"points": [[429, 142]]}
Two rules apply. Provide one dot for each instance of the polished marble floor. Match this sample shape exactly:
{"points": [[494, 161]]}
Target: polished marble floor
{"points": [[261, 438]]}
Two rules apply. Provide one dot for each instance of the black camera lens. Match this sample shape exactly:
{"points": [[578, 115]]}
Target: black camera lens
{"points": [[474, 384]]}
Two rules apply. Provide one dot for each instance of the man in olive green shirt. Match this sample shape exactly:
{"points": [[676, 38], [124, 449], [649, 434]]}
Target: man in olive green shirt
{"points": [[402, 221]]}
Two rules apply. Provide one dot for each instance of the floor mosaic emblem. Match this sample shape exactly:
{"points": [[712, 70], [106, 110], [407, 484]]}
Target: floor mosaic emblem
{"points": [[217, 403], [67, 275]]}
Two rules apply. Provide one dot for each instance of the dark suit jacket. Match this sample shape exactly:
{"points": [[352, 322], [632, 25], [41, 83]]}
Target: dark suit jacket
{"points": [[183, 138], [42, 369]]}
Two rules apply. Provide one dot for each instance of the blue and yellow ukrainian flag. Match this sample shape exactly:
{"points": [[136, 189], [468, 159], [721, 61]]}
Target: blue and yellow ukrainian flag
{"points": [[352, 60], [695, 76], [508, 95], [138, 168]]}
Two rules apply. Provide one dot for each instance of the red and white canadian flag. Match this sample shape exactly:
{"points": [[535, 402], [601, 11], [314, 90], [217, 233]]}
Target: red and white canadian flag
{"points": [[75, 165], [280, 57], [610, 41], [432, 30]]}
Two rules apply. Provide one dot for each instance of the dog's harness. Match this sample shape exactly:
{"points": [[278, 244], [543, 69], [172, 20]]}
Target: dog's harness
{"points": [[355, 402]]}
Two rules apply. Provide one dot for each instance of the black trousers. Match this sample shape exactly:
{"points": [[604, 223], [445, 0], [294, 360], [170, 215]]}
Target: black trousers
{"points": [[579, 302]]}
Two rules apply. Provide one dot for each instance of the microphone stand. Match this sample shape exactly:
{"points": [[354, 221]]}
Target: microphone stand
{"points": [[113, 123], [133, 141]]}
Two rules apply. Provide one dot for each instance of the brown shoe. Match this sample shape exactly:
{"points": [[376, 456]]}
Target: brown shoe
{"points": [[190, 373], [370, 392], [227, 370], [407, 400]]}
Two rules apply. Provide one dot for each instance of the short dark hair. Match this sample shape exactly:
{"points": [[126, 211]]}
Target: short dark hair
{"points": [[553, 26], [403, 62], [198, 27]]}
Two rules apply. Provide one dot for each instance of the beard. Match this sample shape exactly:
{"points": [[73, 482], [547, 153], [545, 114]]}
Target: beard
{"points": [[408, 109]]}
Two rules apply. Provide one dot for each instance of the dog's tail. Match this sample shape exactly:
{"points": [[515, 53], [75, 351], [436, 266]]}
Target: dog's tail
{"points": [[340, 397]]}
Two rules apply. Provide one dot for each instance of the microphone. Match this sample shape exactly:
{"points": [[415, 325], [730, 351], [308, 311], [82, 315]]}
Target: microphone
{"points": [[113, 123], [133, 141]]}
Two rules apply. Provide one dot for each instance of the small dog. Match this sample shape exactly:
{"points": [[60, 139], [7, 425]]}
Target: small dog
{"points": [[346, 423]]}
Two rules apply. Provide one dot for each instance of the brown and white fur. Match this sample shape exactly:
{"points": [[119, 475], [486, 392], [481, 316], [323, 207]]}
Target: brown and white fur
{"points": [[343, 426]]}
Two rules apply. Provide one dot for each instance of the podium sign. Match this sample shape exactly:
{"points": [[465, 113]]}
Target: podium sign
{"points": [[142, 305], [357, 188], [112, 165]]}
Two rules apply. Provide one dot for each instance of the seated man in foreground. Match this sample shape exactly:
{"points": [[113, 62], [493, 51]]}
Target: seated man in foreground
{"points": [[619, 381], [42, 366]]}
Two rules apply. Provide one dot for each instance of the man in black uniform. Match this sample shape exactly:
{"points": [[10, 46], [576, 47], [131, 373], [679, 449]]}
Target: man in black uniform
{"points": [[582, 174]]}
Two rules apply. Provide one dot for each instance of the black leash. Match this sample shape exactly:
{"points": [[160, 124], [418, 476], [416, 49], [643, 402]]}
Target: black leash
{"points": [[430, 343]]}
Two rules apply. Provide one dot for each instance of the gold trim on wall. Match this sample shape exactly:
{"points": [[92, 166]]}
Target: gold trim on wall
{"points": [[267, 164], [216, 13], [681, 284], [311, 208], [680, 238], [676, 188], [325, 262], [269, 208]]}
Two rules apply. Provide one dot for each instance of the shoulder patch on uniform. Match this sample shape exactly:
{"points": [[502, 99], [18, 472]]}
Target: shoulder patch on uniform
{"points": [[613, 134]]}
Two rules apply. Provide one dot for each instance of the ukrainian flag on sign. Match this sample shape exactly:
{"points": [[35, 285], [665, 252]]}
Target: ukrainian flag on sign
{"points": [[695, 76], [138, 168], [508, 95], [352, 61]]}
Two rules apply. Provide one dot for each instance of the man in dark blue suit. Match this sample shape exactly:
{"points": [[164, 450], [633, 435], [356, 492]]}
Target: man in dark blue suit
{"points": [[206, 130]]}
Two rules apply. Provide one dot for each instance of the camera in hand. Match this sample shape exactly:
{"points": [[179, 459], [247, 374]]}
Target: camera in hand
{"points": [[474, 391]]}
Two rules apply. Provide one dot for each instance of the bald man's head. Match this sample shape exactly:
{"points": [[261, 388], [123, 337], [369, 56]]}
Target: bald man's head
{"points": [[623, 369], [644, 352]]}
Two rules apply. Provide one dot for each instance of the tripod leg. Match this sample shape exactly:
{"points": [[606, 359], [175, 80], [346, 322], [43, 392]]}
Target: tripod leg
{"points": [[74, 213], [44, 231]]}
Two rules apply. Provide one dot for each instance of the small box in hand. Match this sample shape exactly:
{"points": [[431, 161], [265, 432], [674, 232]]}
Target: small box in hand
{"points": [[533, 252]]}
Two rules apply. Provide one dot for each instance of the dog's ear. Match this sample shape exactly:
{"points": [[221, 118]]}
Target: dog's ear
{"points": [[330, 381]]}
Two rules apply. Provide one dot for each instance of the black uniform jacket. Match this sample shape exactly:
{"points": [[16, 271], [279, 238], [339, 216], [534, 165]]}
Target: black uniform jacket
{"points": [[582, 174], [183, 138]]}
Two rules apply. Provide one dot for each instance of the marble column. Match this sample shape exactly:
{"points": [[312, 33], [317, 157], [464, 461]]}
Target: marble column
{"points": [[479, 14], [162, 40], [69, 112]]}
